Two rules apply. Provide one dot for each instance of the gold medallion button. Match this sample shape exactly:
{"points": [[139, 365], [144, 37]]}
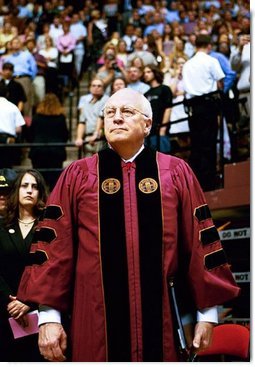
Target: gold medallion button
{"points": [[110, 186], [148, 185]]}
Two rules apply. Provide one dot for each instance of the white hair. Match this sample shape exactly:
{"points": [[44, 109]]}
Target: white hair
{"points": [[140, 100]]}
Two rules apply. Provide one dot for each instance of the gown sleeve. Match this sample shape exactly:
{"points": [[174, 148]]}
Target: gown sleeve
{"points": [[202, 256], [48, 278]]}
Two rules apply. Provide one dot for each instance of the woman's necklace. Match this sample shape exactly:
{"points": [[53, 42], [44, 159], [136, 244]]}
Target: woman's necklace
{"points": [[26, 224]]}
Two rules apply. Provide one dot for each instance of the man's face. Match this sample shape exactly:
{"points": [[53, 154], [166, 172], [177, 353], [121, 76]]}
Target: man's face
{"points": [[148, 75], [124, 121], [139, 44], [16, 44], [134, 74], [7, 73], [97, 88]]}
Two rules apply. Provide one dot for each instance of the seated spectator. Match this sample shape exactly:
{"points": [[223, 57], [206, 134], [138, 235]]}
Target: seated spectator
{"points": [[114, 38], [152, 44], [39, 79], [241, 63], [50, 53], [56, 29], [191, 23], [79, 31], [48, 126], [178, 112], [29, 33], [190, 45], [41, 39], [144, 7], [6, 35], [165, 43], [146, 56], [173, 13], [118, 83], [129, 36], [135, 75], [138, 62], [178, 50], [122, 53], [110, 48], [156, 23], [110, 69], [66, 45], [24, 11]]}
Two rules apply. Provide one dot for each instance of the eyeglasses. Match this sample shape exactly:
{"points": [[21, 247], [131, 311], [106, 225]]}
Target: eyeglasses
{"points": [[125, 111], [97, 85]]}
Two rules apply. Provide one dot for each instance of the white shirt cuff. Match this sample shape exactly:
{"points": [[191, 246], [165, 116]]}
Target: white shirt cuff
{"points": [[208, 315], [48, 314]]}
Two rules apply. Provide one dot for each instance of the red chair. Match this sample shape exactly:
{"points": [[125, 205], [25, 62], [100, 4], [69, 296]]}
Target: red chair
{"points": [[229, 340]]}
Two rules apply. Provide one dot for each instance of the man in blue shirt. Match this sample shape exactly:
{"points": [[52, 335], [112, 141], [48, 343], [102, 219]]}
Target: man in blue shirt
{"points": [[25, 69]]}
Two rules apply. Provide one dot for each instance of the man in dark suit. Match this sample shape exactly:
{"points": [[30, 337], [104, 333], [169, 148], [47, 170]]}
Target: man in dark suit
{"points": [[15, 91]]}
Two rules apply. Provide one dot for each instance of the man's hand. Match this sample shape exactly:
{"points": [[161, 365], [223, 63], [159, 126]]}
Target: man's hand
{"points": [[202, 336], [52, 342], [79, 142], [18, 310]]}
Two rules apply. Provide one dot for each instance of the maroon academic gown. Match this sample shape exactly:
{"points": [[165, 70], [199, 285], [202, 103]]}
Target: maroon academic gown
{"points": [[112, 235]]}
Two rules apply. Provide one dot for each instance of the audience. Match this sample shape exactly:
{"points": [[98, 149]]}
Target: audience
{"points": [[137, 33]]}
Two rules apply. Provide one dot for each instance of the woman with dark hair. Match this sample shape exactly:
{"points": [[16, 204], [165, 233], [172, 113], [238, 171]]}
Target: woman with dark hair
{"points": [[25, 204], [48, 126]]}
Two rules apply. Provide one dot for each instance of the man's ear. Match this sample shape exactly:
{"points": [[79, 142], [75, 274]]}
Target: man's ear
{"points": [[148, 126]]}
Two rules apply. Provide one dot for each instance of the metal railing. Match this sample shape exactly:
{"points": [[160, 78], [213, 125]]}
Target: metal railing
{"points": [[81, 149]]}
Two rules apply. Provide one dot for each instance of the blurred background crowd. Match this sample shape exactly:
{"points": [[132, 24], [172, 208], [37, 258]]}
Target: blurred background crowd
{"points": [[49, 49]]}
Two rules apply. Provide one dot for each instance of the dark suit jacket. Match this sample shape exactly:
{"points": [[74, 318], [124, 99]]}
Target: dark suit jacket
{"points": [[15, 92], [13, 255], [14, 252]]}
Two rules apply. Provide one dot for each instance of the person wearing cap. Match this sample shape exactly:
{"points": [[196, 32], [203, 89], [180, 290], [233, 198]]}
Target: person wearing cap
{"points": [[117, 227], [26, 202], [7, 176]]}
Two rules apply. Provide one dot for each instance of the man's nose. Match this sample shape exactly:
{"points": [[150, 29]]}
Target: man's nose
{"points": [[118, 115]]}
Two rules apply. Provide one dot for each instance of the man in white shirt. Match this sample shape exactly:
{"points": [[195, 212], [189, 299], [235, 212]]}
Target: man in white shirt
{"points": [[56, 29], [202, 80], [79, 31], [11, 122]]}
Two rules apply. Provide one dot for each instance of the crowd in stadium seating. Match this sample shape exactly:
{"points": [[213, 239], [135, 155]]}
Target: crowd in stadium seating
{"points": [[53, 45]]}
